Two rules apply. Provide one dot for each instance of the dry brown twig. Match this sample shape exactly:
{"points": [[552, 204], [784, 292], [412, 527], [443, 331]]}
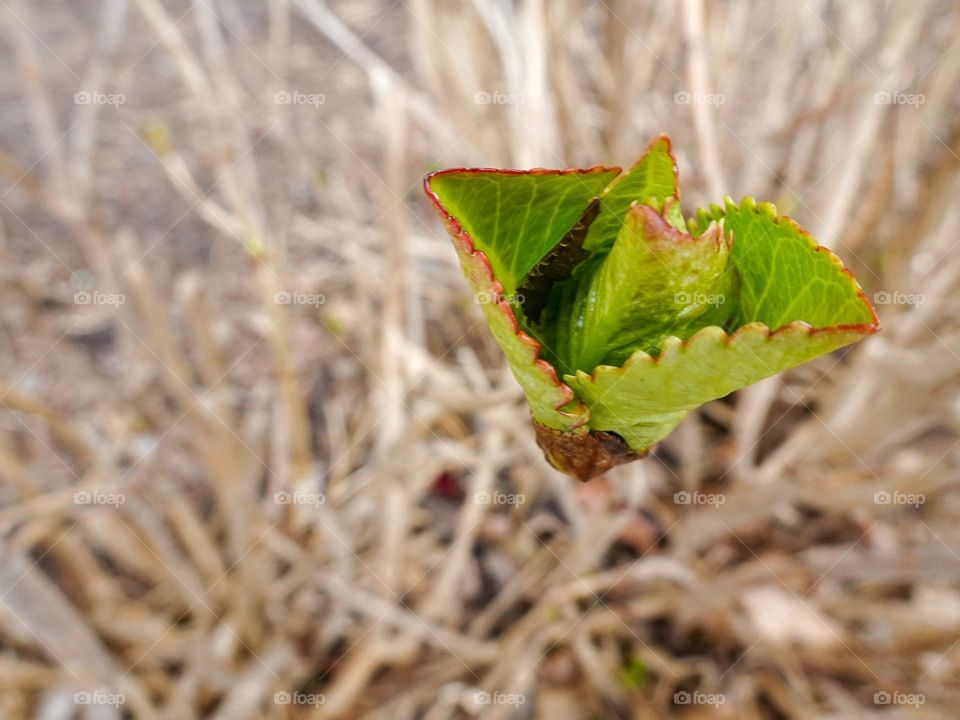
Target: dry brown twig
{"points": [[211, 496]]}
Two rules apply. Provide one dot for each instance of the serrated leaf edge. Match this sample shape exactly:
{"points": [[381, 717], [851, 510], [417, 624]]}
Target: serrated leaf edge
{"points": [[703, 216], [673, 345]]}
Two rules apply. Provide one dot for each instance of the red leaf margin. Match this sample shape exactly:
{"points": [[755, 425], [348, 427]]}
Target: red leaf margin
{"points": [[479, 272]]}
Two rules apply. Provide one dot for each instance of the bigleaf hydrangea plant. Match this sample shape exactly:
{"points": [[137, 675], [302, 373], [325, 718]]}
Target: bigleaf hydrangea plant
{"points": [[618, 317]]}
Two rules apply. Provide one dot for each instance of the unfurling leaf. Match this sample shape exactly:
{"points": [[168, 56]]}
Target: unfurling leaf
{"points": [[616, 318]]}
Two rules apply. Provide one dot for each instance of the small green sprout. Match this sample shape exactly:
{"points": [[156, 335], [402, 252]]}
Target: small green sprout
{"points": [[617, 317], [633, 674]]}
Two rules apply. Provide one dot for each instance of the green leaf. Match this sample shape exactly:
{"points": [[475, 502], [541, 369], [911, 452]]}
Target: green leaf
{"points": [[516, 217], [647, 397], [551, 402], [653, 176], [656, 281], [784, 274]]}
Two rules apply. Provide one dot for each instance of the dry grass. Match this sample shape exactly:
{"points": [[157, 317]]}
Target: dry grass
{"points": [[145, 553]]}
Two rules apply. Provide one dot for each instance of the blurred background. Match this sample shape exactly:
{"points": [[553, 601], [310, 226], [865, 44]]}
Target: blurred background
{"points": [[260, 457]]}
